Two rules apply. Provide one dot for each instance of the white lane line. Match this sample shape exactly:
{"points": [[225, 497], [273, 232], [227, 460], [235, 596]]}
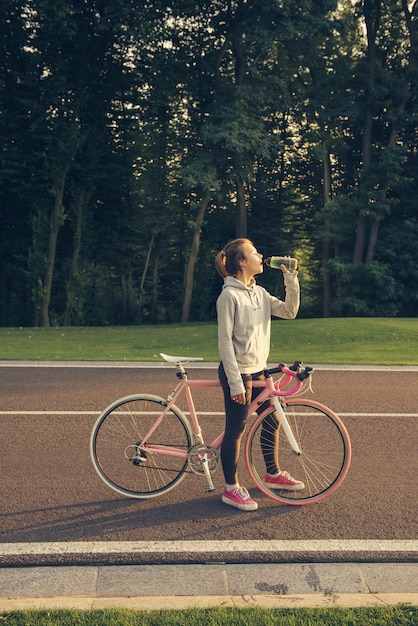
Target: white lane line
{"points": [[146, 547], [51, 412], [377, 414], [197, 365], [200, 413]]}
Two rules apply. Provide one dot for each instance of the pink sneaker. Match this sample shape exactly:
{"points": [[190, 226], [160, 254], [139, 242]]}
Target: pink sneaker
{"points": [[283, 480], [240, 499]]}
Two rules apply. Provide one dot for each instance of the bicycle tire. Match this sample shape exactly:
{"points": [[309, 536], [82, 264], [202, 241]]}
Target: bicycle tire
{"points": [[325, 451], [114, 446]]}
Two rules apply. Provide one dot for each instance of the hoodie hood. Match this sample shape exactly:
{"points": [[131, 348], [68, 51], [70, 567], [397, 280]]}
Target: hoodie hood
{"points": [[251, 289]]}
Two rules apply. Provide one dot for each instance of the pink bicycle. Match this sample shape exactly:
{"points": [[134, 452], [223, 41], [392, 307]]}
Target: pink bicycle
{"points": [[143, 445]]}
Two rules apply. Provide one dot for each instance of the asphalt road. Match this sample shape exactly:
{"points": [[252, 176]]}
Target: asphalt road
{"points": [[51, 493]]}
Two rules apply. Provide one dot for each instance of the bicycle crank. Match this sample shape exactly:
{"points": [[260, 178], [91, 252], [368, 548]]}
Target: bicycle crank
{"points": [[201, 454]]}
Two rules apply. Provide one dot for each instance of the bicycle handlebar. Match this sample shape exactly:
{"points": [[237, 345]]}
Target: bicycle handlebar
{"points": [[298, 372]]}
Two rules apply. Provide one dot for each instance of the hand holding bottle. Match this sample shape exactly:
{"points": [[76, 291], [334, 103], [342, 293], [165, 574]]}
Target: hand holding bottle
{"points": [[276, 262]]}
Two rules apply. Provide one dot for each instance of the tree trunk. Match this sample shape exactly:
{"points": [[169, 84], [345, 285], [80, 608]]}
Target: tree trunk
{"points": [[393, 137], [131, 305], [234, 38], [193, 257], [241, 225], [144, 274], [412, 61], [374, 230], [74, 260], [326, 288], [56, 222], [372, 10], [123, 296], [360, 241], [154, 299]]}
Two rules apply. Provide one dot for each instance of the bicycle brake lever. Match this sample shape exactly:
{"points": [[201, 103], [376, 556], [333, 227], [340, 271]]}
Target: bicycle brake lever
{"points": [[305, 373]]}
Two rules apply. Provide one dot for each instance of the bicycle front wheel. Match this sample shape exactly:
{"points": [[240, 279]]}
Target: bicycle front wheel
{"points": [[324, 445], [127, 465]]}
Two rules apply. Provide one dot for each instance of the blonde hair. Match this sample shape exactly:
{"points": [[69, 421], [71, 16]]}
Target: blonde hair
{"points": [[226, 261]]}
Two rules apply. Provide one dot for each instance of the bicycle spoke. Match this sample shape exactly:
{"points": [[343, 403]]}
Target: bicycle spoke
{"points": [[119, 451], [324, 445]]}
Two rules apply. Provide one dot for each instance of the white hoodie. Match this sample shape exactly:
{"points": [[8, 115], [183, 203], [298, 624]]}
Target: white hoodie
{"points": [[244, 320]]}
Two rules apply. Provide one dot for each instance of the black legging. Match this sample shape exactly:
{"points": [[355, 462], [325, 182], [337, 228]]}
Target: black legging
{"points": [[235, 422]]}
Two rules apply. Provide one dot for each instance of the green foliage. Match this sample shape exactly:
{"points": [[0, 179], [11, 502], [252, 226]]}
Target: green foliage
{"points": [[396, 249], [364, 290]]}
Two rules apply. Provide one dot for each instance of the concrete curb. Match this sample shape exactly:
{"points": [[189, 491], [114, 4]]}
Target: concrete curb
{"points": [[186, 586], [153, 603]]}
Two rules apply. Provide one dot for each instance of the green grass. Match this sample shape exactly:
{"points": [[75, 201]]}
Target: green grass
{"points": [[380, 616], [358, 341]]}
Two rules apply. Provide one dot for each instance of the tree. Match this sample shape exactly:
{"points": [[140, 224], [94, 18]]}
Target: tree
{"points": [[139, 137]]}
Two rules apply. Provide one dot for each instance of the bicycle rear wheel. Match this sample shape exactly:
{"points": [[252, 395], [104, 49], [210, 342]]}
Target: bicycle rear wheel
{"points": [[118, 455], [324, 444]]}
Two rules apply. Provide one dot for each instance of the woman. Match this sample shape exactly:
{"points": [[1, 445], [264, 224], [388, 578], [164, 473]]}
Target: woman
{"points": [[244, 312]]}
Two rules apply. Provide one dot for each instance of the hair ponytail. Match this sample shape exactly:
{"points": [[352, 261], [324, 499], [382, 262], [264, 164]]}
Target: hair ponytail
{"points": [[220, 264], [226, 261]]}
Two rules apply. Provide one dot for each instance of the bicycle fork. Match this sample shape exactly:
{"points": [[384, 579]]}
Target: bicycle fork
{"points": [[286, 426]]}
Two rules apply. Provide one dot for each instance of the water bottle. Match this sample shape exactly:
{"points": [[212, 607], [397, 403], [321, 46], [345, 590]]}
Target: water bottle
{"points": [[276, 261]]}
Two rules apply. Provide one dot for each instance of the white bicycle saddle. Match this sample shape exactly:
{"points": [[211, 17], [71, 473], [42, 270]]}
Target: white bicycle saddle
{"points": [[180, 359]]}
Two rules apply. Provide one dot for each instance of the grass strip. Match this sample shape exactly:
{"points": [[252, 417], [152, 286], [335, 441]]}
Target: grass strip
{"points": [[357, 341], [370, 616]]}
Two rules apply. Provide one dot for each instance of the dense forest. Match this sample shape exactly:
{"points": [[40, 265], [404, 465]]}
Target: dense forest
{"points": [[139, 136]]}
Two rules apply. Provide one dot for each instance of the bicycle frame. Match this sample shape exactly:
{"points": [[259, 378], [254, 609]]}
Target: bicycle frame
{"points": [[161, 442], [271, 390]]}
